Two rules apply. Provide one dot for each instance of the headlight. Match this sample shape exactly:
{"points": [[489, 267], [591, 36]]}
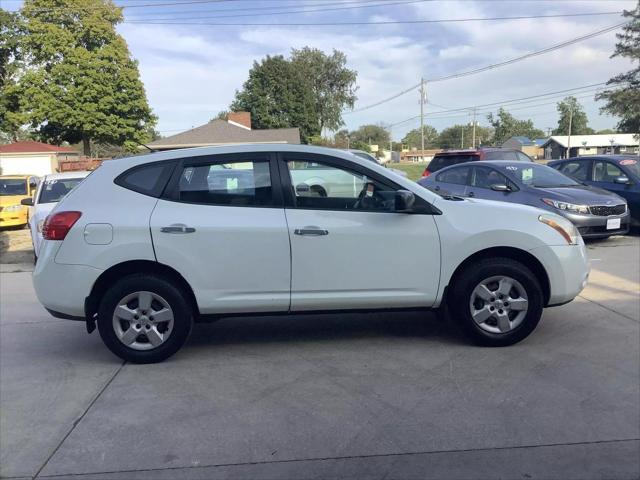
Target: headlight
{"points": [[570, 207], [13, 208], [563, 226]]}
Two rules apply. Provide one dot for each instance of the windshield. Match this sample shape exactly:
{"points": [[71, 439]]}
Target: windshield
{"points": [[13, 186], [53, 190], [539, 176], [631, 165]]}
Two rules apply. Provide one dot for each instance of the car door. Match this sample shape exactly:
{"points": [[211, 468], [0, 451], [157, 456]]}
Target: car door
{"points": [[221, 225], [351, 249], [604, 174], [452, 181], [480, 181]]}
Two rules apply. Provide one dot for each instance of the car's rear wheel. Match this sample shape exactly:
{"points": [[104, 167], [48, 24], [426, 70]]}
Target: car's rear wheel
{"points": [[144, 318], [497, 301]]}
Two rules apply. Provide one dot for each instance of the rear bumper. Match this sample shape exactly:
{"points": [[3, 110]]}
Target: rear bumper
{"points": [[568, 269], [62, 288], [13, 219]]}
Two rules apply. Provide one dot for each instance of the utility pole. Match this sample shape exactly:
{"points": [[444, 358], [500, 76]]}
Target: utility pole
{"points": [[423, 100], [569, 137], [474, 129], [462, 137]]}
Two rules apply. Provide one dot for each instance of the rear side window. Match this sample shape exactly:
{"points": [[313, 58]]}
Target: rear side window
{"points": [[501, 155], [577, 170], [439, 162], [149, 179], [246, 184], [457, 176]]}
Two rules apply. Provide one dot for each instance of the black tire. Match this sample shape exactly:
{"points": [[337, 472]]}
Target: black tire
{"points": [[174, 296], [463, 285]]}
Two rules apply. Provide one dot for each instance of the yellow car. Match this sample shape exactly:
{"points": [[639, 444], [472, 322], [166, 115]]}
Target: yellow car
{"points": [[14, 188]]}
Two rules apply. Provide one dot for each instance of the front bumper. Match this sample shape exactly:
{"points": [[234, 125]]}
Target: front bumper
{"points": [[568, 270], [594, 226], [13, 219]]}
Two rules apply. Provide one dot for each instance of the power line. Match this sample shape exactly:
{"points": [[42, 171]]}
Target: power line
{"points": [[380, 22], [493, 65]]}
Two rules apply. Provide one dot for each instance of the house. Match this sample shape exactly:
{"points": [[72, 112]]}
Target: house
{"points": [[33, 158], [418, 156], [533, 148], [236, 129], [580, 145]]}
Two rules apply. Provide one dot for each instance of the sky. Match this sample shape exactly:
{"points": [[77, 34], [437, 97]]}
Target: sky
{"points": [[191, 72]]}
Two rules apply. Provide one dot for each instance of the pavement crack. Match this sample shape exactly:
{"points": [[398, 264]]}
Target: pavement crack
{"points": [[79, 419], [347, 457]]}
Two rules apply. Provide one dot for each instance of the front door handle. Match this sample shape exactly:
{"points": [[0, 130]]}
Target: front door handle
{"points": [[177, 228], [311, 231], [471, 194]]}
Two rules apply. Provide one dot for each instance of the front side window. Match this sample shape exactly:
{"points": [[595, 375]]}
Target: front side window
{"points": [[605, 172], [13, 186], [577, 170], [485, 177], [245, 184], [457, 176], [323, 186], [54, 189]]}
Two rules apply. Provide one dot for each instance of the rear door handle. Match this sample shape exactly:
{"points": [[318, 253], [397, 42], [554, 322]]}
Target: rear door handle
{"points": [[177, 228], [311, 231]]}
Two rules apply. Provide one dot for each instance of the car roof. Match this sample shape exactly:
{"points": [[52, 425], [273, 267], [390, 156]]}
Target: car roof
{"points": [[615, 158], [62, 176], [22, 177]]}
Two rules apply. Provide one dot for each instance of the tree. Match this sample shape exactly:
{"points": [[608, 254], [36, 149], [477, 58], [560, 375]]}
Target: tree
{"points": [[461, 136], [606, 131], [569, 108], [413, 139], [277, 97], [81, 83], [506, 126], [221, 115], [332, 84], [371, 135], [623, 100], [11, 119]]}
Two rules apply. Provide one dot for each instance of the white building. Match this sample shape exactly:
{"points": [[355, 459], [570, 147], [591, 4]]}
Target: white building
{"points": [[581, 145], [33, 158]]}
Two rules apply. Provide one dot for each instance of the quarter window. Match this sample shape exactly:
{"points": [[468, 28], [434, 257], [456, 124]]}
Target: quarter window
{"points": [[457, 176], [605, 172], [246, 184], [318, 185], [149, 179]]}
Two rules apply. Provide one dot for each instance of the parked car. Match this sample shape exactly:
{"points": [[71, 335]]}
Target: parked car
{"points": [[13, 189], [371, 158], [454, 157], [51, 189], [596, 212], [619, 174], [147, 245]]}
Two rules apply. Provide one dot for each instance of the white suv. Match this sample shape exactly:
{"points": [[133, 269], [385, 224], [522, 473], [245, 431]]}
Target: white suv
{"points": [[147, 245]]}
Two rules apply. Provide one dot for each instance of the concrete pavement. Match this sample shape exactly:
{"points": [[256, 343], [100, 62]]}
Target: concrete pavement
{"points": [[349, 396]]}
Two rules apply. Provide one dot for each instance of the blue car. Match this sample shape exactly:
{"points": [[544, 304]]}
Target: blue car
{"points": [[619, 174], [596, 212]]}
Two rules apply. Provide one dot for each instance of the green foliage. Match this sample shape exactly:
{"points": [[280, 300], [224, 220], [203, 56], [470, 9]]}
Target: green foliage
{"points": [[79, 82], [623, 99], [308, 91], [506, 126], [370, 135], [570, 108], [461, 136], [11, 119], [606, 131], [413, 138], [221, 115], [331, 83], [277, 97]]}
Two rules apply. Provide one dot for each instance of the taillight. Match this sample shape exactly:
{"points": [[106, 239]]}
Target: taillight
{"points": [[57, 226], [426, 173]]}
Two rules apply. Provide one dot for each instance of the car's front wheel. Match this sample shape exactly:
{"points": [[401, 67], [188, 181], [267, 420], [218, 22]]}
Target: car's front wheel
{"points": [[144, 318], [497, 301]]}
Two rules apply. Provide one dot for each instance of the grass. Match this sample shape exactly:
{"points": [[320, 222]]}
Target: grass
{"points": [[414, 170]]}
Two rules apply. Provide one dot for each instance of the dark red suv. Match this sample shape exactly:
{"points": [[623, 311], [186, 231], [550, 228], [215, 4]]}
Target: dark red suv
{"points": [[453, 157]]}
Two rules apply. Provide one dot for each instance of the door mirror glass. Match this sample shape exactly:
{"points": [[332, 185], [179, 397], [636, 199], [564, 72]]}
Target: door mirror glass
{"points": [[27, 201], [500, 187], [404, 201], [623, 180]]}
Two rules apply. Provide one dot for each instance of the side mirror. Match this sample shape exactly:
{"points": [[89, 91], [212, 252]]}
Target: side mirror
{"points": [[623, 180], [500, 187], [302, 189], [27, 201], [404, 201]]}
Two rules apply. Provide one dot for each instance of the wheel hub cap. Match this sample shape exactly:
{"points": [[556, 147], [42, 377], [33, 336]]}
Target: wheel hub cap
{"points": [[499, 304], [143, 320]]}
